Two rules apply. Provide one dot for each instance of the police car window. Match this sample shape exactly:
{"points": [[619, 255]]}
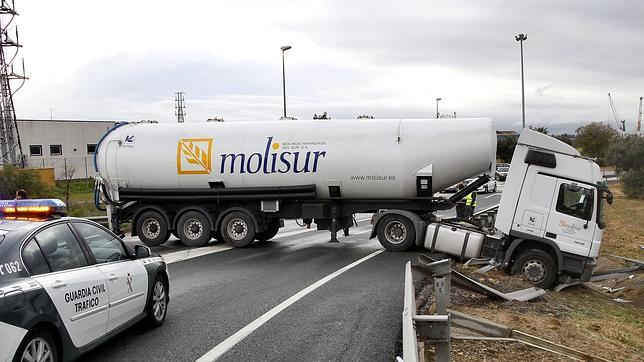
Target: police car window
{"points": [[60, 248], [34, 259], [575, 201], [103, 245]]}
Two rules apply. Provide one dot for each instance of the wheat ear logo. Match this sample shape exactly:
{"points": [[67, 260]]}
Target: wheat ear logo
{"points": [[194, 156]]}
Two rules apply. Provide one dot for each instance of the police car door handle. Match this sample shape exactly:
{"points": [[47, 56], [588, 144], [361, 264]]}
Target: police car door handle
{"points": [[58, 284], [112, 277]]}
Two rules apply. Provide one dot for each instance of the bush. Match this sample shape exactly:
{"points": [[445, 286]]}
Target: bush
{"points": [[633, 183], [12, 179]]}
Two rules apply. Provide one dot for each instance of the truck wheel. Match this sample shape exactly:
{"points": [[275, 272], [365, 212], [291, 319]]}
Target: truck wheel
{"points": [[37, 346], [193, 229], [238, 229], [536, 266], [152, 228], [268, 234], [396, 233]]}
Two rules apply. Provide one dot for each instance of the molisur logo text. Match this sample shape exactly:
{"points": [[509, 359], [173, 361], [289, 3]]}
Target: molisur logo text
{"points": [[194, 157], [273, 160]]}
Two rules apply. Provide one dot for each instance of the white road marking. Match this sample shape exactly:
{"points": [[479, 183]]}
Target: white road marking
{"points": [[180, 255], [487, 197], [239, 336]]}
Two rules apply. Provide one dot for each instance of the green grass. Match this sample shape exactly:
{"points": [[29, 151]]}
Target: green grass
{"points": [[81, 197]]}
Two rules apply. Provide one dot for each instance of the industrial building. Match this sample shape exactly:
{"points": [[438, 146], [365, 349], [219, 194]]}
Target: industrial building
{"points": [[61, 144]]}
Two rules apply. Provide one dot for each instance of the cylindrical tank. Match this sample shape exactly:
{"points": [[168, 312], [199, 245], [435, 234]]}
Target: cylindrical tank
{"points": [[366, 158]]}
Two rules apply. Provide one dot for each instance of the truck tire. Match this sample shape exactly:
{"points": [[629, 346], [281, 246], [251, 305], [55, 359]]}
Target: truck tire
{"points": [[537, 267], [238, 229], [193, 229], [152, 228], [396, 233], [268, 234]]}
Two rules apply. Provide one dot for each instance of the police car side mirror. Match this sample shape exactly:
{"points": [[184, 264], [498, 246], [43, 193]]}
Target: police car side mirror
{"points": [[142, 251]]}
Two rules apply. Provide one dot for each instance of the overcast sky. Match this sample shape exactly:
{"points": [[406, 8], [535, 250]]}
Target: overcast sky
{"points": [[123, 60]]}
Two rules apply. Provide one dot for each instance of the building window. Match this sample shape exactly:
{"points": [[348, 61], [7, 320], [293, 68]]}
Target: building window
{"points": [[35, 150], [91, 148], [55, 150]]}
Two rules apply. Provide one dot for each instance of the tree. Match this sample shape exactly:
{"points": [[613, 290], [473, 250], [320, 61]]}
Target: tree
{"points": [[628, 157], [322, 116], [565, 137], [68, 173], [593, 140], [543, 130], [12, 179], [505, 148]]}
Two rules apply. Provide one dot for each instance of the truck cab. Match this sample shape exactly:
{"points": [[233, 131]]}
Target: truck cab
{"points": [[551, 210]]}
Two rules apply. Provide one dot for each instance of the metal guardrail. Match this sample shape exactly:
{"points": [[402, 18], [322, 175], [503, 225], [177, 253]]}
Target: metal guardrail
{"points": [[436, 328]]}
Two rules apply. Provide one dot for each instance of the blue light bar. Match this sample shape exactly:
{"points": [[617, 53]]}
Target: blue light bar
{"points": [[42, 207]]}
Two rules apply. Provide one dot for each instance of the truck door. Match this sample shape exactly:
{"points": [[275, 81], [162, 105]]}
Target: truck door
{"points": [[571, 223]]}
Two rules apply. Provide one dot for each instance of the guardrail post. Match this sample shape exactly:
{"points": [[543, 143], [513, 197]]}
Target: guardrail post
{"points": [[441, 270]]}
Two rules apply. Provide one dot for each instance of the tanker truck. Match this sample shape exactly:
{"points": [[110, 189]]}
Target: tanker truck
{"points": [[237, 181]]}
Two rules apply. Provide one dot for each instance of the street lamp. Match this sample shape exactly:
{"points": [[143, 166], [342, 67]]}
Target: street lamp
{"points": [[437, 99], [284, 48], [520, 38]]}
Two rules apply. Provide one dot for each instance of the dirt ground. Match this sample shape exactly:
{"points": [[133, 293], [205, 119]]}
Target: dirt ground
{"points": [[604, 319], [577, 317]]}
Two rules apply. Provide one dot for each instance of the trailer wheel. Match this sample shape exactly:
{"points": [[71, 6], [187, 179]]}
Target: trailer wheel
{"points": [[152, 228], [536, 266], [238, 229], [193, 229], [396, 233], [268, 234]]}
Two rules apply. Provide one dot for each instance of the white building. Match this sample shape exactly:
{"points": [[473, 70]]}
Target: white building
{"points": [[62, 143]]}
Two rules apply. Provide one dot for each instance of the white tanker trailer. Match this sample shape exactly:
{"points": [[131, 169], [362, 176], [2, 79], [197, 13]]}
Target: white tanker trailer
{"points": [[236, 181]]}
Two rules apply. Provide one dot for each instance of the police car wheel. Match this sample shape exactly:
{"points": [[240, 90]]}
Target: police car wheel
{"points": [[268, 234], [152, 228], [537, 267], [158, 302], [37, 346], [396, 233], [193, 229], [238, 229]]}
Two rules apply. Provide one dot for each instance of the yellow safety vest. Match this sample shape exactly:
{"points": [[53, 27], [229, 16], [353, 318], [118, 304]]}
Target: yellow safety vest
{"points": [[469, 200]]}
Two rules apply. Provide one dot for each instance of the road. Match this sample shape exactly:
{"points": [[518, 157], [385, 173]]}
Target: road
{"points": [[296, 297]]}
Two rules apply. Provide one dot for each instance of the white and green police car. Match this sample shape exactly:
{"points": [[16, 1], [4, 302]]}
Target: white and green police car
{"points": [[68, 284]]}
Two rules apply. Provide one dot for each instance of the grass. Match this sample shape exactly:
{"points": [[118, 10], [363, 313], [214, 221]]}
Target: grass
{"points": [[624, 232], [81, 197]]}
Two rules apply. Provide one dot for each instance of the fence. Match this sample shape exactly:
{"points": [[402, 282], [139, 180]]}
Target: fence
{"points": [[65, 167]]}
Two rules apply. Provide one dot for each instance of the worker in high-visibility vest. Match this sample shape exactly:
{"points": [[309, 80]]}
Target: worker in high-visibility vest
{"points": [[470, 204]]}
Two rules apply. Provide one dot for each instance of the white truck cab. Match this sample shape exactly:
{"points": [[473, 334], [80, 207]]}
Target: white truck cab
{"points": [[548, 226], [552, 201]]}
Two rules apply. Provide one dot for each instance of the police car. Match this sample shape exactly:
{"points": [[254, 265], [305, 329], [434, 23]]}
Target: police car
{"points": [[68, 284]]}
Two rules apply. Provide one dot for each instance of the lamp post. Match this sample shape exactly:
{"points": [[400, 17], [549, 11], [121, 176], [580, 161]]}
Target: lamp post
{"points": [[284, 48], [520, 38], [437, 99]]}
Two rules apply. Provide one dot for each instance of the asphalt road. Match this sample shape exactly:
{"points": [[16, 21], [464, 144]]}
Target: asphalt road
{"points": [[219, 293]]}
